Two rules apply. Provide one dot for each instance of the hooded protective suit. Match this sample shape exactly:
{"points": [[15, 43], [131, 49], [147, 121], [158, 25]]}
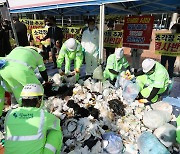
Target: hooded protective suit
{"points": [[90, 42]]}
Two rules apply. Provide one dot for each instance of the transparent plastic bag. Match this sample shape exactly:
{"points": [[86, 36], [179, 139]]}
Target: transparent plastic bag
{"points": [[112, 143], [130, 90]]}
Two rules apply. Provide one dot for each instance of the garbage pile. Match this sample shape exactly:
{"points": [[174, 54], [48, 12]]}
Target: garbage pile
{"points": [[94, 122]]}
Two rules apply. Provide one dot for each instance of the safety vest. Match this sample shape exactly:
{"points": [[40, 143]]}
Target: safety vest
{"points": [[160, 77], [76, 55], [26, 58], [112, 63], [26, 130], [178, 129]]}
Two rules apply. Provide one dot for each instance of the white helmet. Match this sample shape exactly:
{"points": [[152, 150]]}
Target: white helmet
{"points": [[32, 91], [119, 53], [148, 64], [71, 44]]}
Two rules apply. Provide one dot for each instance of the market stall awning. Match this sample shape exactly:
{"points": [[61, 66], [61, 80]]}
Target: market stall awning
{"points": [[83, 6]]}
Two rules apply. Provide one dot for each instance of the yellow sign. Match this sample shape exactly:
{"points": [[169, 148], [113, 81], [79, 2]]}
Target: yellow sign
{"points": [[71, 32], [167, 44], [38, 34], [32, 24], [113, 39]]}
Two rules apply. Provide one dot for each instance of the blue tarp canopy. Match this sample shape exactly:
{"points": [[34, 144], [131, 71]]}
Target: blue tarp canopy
{"points": [[91, 7]]}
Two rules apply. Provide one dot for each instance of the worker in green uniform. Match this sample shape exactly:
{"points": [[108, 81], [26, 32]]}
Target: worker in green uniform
{"points": [[19, 71], [153, 80], [178, 129], [70, 50], [116, 62], [30, 129]]}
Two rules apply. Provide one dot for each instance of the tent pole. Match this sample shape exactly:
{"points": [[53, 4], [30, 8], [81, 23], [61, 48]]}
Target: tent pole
{"points": [[101, 41], [101, 33], [12, 25], [62, 18]]}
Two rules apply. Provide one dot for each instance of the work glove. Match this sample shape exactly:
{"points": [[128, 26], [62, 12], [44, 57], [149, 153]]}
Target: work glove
{"points": [[61, 72]]}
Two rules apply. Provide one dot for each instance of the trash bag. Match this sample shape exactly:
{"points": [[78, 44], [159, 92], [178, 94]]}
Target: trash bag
{"points": [[57, 79], [70, 80], [112, 143], [98, 73], [162, 106], [130, 91], [149, 144], [156, 118], [117, 107], [2, 63], [166, 134]]}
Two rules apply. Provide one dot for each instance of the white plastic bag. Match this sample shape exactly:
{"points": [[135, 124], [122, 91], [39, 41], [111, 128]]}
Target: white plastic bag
{"points": [[70, 81], [155, 118], [98, 73], [166, 134]]}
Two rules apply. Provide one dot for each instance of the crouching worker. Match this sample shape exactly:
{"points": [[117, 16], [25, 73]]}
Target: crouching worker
{"points": [[19, 71], [153, 80], [30, 129], [115, 64], [70, 50]]}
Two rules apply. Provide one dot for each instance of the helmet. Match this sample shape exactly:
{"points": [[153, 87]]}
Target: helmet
{"points": [[119, 53], [148, 64], [71, 44], [34, 48], [32, 91]]}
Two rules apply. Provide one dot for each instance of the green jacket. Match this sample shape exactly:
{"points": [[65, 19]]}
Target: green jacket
{"points": [[178, 129], [76, 55], [26, 130], [160, 77], [24, 57], [112, 63]]}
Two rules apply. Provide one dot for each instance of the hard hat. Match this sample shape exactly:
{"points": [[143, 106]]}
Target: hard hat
{"points": [[71, 44], [119, 53], [34, 48], [32, 91], [148, 64]]}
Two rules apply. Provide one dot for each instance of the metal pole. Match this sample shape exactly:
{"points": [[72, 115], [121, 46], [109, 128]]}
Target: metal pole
{"points": [[162, 20], [101, 41], [101, 33], [12, 25]]}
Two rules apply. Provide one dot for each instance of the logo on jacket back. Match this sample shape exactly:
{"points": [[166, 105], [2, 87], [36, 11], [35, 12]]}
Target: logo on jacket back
{"points": [[23, 115]]}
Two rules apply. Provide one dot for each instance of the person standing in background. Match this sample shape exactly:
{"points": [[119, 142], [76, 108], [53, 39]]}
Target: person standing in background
{"points": [[136, 56], [90, 42], [6, 27], [21, 31], [56, 36], [171, 60]]}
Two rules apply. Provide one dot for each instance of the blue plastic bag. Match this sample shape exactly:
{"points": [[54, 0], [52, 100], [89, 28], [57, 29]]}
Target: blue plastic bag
{"points": [[112, 143], [2, 63], [130, 90], [149, 144]]}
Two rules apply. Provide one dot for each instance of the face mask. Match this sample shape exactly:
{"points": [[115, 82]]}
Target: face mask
{"points": [[91, 28]]}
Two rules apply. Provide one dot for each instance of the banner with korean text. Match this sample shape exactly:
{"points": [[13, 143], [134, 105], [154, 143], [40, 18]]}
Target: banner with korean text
{"points": [[138, 31], [33, 24], [167, 44]]}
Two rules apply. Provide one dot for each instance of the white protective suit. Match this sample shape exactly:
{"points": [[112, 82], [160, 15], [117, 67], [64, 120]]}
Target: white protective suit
{"points": [[90, 42]]}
